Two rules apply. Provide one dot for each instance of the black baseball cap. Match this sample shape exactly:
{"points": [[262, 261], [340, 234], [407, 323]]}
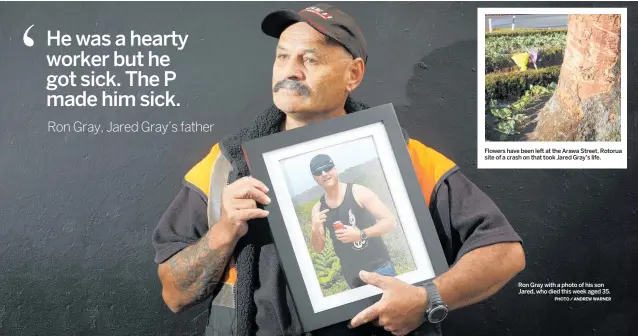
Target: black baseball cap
{"points": [[319, 163], [327, 20]]}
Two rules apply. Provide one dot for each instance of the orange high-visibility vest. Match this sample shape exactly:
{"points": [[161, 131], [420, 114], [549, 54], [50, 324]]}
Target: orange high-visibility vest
{"points": [[209, 175]]}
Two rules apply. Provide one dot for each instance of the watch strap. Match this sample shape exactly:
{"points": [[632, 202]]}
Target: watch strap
{"points": [[433, 294]]}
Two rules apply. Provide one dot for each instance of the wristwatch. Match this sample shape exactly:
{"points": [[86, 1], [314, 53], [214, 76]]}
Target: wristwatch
{"points": [[363, 234], [437, 310]]}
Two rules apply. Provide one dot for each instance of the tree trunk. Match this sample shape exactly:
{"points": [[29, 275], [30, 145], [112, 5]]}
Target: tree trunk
{"points": [[586, 103]]}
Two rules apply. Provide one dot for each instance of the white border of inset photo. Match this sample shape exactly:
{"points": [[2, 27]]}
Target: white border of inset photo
{"points": [[407, 218], [578, 149]]}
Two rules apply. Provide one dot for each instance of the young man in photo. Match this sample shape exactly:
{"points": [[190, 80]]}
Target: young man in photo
{"points": [[355, 219]]}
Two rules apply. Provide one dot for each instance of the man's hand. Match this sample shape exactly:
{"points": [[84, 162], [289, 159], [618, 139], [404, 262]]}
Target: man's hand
{"points": [[239, 204], [318, 219], [401, 308], [349, 234]]}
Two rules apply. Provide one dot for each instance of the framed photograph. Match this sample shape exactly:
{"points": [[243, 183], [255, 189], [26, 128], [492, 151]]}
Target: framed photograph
{"points": [[345, 198]]}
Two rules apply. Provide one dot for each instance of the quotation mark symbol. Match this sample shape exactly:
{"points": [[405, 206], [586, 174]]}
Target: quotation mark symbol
{"points": [[26, 39]]}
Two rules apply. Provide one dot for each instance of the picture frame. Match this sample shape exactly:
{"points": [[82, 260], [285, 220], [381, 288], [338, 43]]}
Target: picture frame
{"points": [[364, 147]]}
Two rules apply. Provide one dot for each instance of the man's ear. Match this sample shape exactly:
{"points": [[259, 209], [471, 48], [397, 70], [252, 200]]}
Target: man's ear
{"points": [[355, 72]]}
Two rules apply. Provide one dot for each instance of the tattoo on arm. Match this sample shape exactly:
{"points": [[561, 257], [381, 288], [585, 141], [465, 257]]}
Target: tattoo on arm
{"points": [[198, 269]]}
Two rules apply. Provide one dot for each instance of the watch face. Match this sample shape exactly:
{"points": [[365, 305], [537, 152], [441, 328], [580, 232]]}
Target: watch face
{"points": [[437, 314]]}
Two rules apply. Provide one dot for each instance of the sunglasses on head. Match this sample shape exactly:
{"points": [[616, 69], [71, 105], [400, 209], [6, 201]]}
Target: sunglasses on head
{"points": [[317, 171]]}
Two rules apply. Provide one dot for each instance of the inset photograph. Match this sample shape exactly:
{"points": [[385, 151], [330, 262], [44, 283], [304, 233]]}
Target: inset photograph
{"points": [[347, 215], [554, 75]]}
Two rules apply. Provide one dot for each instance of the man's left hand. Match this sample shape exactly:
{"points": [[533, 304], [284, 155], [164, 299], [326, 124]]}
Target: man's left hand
{"points": [[349, 234], [401, 308]]}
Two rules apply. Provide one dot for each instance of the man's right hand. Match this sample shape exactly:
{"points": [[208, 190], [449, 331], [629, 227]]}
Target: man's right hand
{"points": [[239, 204], [318, 219]]}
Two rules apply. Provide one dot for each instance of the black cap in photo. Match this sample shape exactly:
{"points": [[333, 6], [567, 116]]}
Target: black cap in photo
{"points": [[321, 162], [327, 20]]}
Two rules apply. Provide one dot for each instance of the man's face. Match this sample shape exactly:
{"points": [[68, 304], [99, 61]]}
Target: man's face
{"points": [[309, 75], [326, 178]]}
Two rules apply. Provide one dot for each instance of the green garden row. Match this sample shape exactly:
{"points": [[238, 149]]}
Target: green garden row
{"points": [[511, 85], [524, 32], [546, 57]]}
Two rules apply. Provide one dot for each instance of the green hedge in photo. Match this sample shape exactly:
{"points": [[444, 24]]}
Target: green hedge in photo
{"points": [[524, 32], [511, 85], [546, 58], [509, 45]]}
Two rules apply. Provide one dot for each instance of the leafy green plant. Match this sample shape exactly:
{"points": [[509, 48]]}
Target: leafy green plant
{"points": [[539, 90], [506, 120], [509, 116], [327, 267]]}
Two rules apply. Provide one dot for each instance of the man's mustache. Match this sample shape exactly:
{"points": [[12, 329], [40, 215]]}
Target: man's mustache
{"points": [[292, 85]]}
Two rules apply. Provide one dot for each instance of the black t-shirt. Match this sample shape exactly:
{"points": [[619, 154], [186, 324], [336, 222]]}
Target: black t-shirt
{"points": [[464, 216], [367, 254]]}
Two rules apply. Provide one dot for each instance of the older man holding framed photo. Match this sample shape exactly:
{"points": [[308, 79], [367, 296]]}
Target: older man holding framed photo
{"points": [[213, 240]]}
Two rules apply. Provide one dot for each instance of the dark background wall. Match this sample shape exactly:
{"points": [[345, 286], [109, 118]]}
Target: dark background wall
{"points": [[77, 211]]}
